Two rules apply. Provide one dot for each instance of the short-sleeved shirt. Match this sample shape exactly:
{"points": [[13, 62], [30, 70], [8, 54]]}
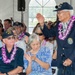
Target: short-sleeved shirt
{"points": [[18, 60], [45, 56]]}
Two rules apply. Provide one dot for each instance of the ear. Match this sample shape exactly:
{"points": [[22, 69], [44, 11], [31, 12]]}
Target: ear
{"points": [[4, 40]]}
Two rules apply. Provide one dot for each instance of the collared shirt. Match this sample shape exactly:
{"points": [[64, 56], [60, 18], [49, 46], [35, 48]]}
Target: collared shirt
{"points": [[65, 25], [18, 61]]}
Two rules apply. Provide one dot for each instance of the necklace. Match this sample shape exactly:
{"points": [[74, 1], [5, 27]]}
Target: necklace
{"points": [[4, 56], [43, 43], [63, 35], [21, 36]]}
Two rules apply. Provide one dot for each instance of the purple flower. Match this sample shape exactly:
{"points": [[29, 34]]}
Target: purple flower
{"points": [[4, 56], [62, 37]]}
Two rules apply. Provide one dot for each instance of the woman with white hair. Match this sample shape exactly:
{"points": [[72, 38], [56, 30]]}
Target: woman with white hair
{"points": [[44, 42], [38, 59]]}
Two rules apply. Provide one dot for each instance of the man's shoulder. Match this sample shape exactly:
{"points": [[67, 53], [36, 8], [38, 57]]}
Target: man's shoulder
{"points": [[20, 49]]}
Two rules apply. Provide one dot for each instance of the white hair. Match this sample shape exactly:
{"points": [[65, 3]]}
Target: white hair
{"points": [[71, 11], [32, 38]]}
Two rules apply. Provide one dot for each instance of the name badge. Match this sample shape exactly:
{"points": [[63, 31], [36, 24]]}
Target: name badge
{"points": [[70, 41]]}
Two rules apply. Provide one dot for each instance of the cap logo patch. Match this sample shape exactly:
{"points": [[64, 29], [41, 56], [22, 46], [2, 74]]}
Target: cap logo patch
{"points": [[8, 32]]}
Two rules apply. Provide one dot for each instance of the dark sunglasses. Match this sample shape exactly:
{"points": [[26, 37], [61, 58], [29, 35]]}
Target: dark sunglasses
{"points": [[40, 34], [9, 38]]}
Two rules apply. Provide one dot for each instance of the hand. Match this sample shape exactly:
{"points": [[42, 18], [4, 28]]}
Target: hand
{"points": [[28, 57], [67, 62], [40, 19], [2, 74], [33, 57]]}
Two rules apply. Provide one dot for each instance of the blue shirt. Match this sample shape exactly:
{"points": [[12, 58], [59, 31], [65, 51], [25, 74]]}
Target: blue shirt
{"points": [[43, 55]]}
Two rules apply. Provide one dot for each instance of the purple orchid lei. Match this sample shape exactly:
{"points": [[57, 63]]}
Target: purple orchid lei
{"points": [[21, 36], [4, 56], [64, 35]]}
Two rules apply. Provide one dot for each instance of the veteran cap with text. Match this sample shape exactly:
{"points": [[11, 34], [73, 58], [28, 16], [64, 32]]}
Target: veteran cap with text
{"points": [[63, 6]]}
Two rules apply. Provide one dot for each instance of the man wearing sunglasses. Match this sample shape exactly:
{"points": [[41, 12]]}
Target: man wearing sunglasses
{"points": [[65, 36], [11, 57]]}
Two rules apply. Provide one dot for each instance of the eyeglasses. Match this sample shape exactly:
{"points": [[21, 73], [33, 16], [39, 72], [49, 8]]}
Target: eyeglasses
{"points": [[9, 38], [61, 12], [40, 34]]}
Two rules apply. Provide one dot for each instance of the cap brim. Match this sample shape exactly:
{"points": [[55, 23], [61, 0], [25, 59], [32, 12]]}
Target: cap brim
{"points": [[57, 10], [7, 36]]}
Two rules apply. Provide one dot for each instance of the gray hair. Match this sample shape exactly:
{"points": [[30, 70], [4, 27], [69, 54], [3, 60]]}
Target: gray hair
{"points": [[71, 12], [33, 37]]}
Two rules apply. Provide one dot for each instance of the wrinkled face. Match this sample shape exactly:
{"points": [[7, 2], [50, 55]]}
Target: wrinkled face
{"points": [[35, 45], [40, 34], [10, 41], [63, 15]]}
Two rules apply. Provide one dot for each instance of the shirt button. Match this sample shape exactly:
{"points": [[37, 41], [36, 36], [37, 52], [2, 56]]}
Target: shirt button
{"points": [[61, 54], [63, 48]]}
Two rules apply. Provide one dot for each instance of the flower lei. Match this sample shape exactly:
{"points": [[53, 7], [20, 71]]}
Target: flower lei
{"points": [[5, 58], [21, 36], [43, 43], [62, 36]]}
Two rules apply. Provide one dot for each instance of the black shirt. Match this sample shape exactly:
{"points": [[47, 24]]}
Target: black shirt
{"points": [[18, 61]]}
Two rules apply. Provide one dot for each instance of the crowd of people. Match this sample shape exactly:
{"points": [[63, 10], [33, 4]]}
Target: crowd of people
{"points": [[18, 44], [50, 45]]}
